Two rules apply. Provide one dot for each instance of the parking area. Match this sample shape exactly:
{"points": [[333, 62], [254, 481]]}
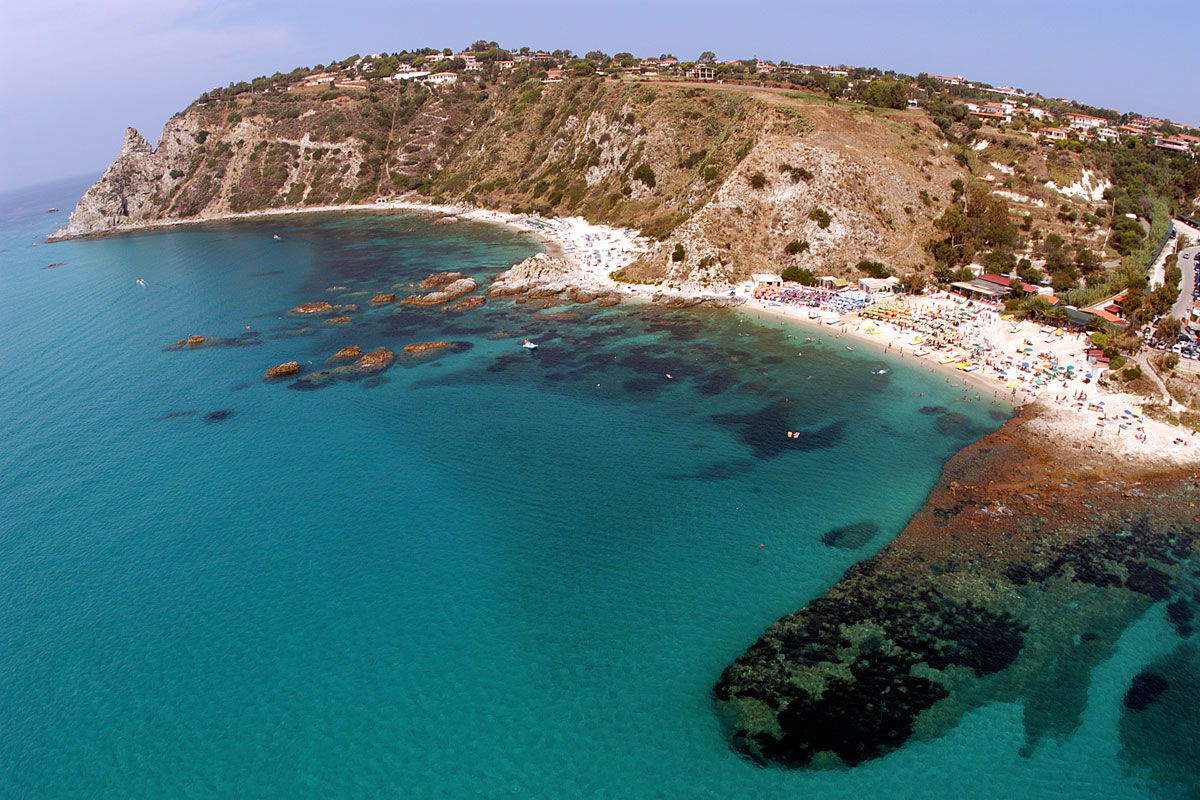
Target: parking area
{"points": [[1187, 344]]}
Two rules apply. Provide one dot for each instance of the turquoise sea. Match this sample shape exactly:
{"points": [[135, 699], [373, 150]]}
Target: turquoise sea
{"points": [[491, 573]]}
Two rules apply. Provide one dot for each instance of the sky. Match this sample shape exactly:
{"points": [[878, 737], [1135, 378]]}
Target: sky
{"points": [[76, 74]]}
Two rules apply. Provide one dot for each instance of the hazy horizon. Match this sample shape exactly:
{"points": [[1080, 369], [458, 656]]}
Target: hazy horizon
{"points": [[133, 63]]}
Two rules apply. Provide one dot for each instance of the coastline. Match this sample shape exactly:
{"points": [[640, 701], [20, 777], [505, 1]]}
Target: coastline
{"points": [[606, 249], [1059, 414], [1016, 578]]}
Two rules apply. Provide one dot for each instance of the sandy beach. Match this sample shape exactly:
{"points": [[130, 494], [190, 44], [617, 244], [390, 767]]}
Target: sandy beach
{"points": [[1070, 406]]}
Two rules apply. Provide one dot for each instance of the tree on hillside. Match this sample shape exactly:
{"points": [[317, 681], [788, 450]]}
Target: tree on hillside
{"points": [[801, 275], [885, 94], [1168, 329], [707, 57], [836, 87]]}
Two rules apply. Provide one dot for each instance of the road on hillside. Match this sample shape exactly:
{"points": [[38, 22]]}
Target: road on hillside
{"points": [[1187, 265]]}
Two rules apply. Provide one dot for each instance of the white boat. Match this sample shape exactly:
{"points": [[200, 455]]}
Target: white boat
{"points": [[528, 345], [276, 237]]}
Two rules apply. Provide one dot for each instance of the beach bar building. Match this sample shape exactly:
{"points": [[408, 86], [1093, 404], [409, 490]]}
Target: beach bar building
{"points": [[981, 290], [766, 279]]}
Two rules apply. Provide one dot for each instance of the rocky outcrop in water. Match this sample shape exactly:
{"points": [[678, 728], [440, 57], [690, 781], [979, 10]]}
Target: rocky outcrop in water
{"points": [[375, 361], [1014, 579], [424, 347], [383, 299], [538, 270], [283, 370], [193, 340], [312, 308], [436, 279], [350, 351], [451, 291], [121, 190]]}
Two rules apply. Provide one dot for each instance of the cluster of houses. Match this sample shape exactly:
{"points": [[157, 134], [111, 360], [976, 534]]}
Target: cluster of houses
{"points": [[1013, 103]]}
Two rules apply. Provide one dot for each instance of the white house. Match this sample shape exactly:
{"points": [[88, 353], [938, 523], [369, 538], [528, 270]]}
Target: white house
{"points": [[952, 80], [1108, 134], [439, 78], [408, 75], [1085, 122]]}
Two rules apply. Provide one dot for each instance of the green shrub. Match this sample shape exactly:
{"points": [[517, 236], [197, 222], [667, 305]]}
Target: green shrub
{"points": [[800, 275], [678, 254], [757, 180], [821, 217], [645, 174], [873, 268], [795, 247], [1132, 373]]}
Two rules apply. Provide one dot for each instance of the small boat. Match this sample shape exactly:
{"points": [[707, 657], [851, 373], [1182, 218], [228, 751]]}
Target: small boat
{"points": [[276, 238], [851, 349], [528, 345], [141, 282]]}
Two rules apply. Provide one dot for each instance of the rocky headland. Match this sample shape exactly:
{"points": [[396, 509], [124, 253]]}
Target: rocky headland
{"points": [[1028, 559]]}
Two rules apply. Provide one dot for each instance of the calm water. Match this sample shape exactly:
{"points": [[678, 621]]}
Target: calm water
{"points": [[492, 573]]}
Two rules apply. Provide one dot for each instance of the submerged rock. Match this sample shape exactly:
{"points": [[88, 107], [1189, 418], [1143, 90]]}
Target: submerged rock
{"points": [[218, 416], [851, 537], [282, 370], [336, 320], [1144, 690], [192, 341], [383, 299], [467, 302]]}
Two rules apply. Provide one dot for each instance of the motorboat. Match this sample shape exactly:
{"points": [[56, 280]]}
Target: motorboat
{"points": [[528, 345]]}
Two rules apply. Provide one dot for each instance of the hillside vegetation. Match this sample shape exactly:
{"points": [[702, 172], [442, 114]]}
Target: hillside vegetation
{"points": [[727, 179]]}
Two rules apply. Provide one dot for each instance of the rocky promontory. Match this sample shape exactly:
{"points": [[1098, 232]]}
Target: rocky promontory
{"points": [[1024, 566]]}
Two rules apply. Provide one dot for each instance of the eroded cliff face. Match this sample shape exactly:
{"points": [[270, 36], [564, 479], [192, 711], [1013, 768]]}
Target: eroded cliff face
{"points": [[682, 164], [121, 192]]}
